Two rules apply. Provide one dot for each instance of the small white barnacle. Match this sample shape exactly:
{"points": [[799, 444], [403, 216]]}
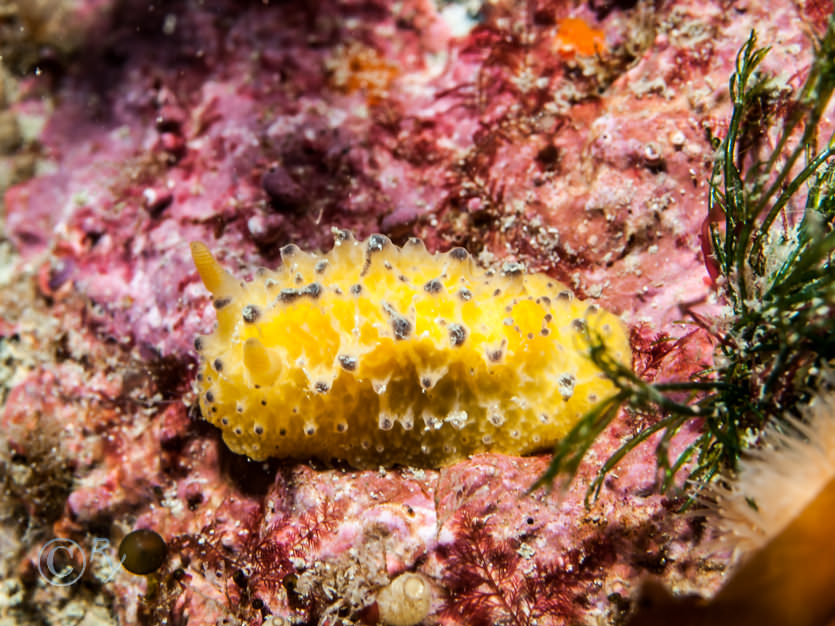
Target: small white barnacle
{"points": [[405, 601]]}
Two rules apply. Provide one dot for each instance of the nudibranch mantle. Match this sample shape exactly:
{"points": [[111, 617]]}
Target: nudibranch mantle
{"points": [[378, 355]]}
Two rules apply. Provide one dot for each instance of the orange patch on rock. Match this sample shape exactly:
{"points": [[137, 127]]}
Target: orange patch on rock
{"points": [[356, 67], [576, 37]]}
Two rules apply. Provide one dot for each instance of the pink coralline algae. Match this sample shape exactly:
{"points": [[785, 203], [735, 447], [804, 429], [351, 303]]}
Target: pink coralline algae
{"points": [[570, 137]]}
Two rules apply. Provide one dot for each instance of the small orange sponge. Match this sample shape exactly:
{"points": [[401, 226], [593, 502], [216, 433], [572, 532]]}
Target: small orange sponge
{"points": [[376, 355], [576, 37]]}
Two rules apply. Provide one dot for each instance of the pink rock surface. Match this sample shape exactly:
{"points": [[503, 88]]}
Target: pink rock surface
{"points": [[248, 127]]}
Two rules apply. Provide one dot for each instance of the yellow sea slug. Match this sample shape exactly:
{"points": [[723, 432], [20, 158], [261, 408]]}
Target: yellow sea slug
{"points": [[377, 355]]}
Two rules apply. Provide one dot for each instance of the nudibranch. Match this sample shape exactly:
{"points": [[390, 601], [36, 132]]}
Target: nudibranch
{"points": [[376, 354]]}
